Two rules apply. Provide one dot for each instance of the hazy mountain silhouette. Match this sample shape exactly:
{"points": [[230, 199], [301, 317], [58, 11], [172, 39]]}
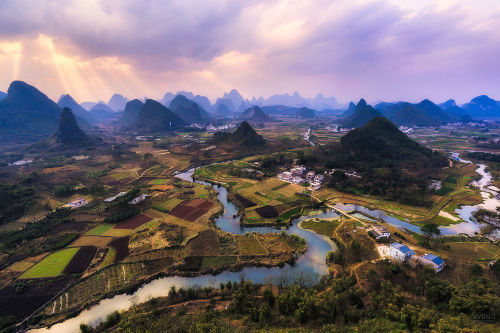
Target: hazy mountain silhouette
{"points": [[66, 101], [26, 110], [155, 117], [117, 102], [425, 113], [361, 115], [129, 116], [255, 113], [305, 113], [188, 110], [482, 107], [244, 135], [69, 133], [102, 112]]}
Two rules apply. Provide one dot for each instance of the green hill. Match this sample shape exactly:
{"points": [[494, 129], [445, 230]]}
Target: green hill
{"points": [[244, 135], [69, 133], [129, 116], [154, 117], [362, 114], [26, 111], [381, 144], [188, 110]]}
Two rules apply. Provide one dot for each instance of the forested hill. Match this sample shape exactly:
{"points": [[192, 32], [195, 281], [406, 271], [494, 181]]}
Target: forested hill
{"points": [[381, 144]]}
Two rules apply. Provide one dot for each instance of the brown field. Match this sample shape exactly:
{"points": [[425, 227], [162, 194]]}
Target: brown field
{"points": [[80, 260], [205, 244], [249, 245], [65, 168], [97, 241], [133, 222], [121, 247], [191, 210]]}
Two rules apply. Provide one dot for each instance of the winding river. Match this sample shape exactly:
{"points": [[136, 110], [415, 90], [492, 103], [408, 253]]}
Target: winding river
{"points": [[311, 265]]}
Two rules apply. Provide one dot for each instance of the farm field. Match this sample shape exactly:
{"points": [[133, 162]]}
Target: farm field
{"points": [[323, 227], [52, 265], [97, 241], [99, 230]]}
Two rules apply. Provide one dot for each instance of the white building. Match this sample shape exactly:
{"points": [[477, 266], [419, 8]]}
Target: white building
{"points": [[379, 231], [111, 199], [78, 203], [432, 261], [310, 175], [138, 199], [400, 251]]}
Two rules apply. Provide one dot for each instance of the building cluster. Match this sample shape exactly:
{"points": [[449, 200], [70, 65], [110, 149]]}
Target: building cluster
{"points": [[213, 129], [113, 198], [403, 253], [299, 174], [80, 157], [406, 129], [21, 162], [337, 128], [138, 199], [380, 232]]}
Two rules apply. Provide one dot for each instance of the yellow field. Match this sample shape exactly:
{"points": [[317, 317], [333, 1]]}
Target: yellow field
{"points": [[249, 245]]}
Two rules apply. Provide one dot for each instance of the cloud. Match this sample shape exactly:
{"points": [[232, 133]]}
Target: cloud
{"points": [[350, 49]]}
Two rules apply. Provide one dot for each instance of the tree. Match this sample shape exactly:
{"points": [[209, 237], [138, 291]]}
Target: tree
{"points": [[429, 230]]}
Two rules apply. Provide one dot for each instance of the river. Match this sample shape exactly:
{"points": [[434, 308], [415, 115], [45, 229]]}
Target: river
{"points": [[312, 263]]}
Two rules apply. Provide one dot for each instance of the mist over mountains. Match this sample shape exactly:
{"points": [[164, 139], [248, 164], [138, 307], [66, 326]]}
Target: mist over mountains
{"points": [[25, 111]]}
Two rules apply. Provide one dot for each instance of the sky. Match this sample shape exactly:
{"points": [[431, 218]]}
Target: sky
{"points": [[376, 49]]}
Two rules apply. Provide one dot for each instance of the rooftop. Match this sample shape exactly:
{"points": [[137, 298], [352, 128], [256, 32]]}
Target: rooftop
{"points": [[402, 248], [435, 259]]}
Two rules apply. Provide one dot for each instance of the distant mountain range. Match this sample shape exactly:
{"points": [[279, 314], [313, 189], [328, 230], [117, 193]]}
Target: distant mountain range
{"points": [[102, 112], [66, 101]]}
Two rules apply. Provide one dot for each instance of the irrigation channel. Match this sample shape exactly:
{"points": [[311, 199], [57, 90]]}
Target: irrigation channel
{"points": [[312, 263]]}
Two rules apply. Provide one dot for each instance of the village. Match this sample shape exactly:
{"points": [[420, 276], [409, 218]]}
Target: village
{"points": [[299, 174]]}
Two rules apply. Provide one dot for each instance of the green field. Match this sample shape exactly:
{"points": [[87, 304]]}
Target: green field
{"points": [[217, 261], [322, 227], [52, 265], [99, 230]]}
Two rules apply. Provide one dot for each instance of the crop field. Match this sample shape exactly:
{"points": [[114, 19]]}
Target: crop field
{"points": [[168, 205], [267, 212], [159, 181], [249, 245], [52, 265], [217, 261], [97, 241], [110, 258], [133, 222], [244, 201], [205, 244], [322, 227], [121, 247], [474, 250], [191, 210], [99, 230], [118, 232], [80, 260]]}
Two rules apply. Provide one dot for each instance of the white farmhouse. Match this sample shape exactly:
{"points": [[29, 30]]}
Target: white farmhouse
{"points": [[78, 203], [400, 251], [432, 261], [379, 231]]}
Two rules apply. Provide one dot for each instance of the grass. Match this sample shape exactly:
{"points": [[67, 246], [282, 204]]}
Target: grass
{"points": [[52, 265], [158, 181], [99, 230], [110, 258], [321, 227], [289, 213], [118, 232], [249, 245], [217, 261], [474, 250], [120, 175]]}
